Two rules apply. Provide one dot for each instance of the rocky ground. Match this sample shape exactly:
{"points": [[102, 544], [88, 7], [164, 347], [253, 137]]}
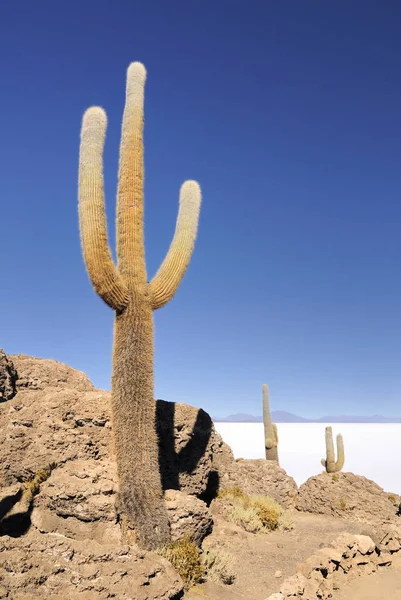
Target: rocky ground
{"points": [[60, 535]]}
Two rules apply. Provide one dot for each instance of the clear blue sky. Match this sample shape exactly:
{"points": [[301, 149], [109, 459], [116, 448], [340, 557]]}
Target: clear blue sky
{"points": [[289, 115]]}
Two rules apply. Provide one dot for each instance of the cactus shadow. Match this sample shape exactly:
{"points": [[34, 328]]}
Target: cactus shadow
{"points": [[14, 525], [172, 462]]}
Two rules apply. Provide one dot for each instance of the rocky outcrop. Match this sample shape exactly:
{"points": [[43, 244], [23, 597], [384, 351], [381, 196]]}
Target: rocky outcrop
{"points": [[64, 532], [8, 377], [329, 568], [347, 496], [59, 527], [58, 416], [260, 477]]}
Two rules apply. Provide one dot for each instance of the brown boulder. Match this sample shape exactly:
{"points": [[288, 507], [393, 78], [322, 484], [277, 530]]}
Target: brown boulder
{"points": [[51, 426], [189, 517], [260, 477], [8, 377], [347, 496], [78, 501]]}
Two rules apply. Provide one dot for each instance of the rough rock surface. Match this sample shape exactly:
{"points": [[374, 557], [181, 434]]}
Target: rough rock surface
{"points": [[42, 373], [59, 568], [8, 377], [347, 496], [260, 477], [189, 516], [78, 501]]}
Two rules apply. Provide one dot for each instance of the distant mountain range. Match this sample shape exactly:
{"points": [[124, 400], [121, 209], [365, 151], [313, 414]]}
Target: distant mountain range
{"points": [[282, 416]]}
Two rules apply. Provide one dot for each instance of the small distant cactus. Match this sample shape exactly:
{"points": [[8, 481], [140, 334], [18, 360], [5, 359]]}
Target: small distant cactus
{"points": [[330, 464], [271, 433]]}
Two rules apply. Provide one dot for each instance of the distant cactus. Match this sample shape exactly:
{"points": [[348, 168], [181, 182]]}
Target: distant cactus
{"points": [[126, 290], [271, 433], [330, 464]]}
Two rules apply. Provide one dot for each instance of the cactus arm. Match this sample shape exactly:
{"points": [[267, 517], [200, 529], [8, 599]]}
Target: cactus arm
{"points": [[340, 452], [169, 276], [275, 431], [92, 218], [130, 237]]}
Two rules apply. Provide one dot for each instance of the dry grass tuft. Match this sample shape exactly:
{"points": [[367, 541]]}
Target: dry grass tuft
{"points": [[185, 557], [254, 513], [232, 493], [219, 566], [247, 518], [268, 511]]}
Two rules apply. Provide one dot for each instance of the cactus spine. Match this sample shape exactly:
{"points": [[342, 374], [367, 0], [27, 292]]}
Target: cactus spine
{"points": [[271, 434], [126, 290], [330, 464]]}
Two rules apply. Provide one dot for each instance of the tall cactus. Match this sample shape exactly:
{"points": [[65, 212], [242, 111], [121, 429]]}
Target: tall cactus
{"points": [[271, 434], [330, 464], [126, 290]]}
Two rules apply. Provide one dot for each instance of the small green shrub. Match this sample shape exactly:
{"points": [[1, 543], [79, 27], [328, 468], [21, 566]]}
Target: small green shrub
{"points": [[343, 504]]}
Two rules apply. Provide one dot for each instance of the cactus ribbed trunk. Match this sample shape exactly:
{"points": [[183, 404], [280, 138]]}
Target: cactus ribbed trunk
{"points": [[133, 413]]}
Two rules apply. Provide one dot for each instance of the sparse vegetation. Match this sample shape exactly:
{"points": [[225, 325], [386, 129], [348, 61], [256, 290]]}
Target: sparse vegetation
{"points": [[219, 566], [285, 522], [185, 556], [254, 513], [343, 504], [246, 517], [268, 511], [231, 492]]}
